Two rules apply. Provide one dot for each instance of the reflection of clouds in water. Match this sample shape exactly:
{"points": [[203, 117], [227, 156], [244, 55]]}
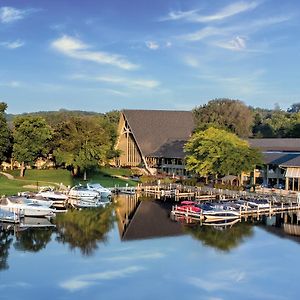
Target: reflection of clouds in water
{"points": [[137, 256], [84, 281], [219, 281], [19, 284]]}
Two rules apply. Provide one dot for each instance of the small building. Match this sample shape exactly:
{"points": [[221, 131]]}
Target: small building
{"points": [[154, 139], [281, 157]]}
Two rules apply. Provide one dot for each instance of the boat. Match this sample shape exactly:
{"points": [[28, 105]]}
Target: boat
{"points": [[80, 192], [9, 216], [104, 192], [21, 208], [221, 224], [259, 203], [58, 198]]}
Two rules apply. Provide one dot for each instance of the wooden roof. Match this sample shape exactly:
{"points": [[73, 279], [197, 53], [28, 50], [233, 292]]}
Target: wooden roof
{"points": [[160, 132]]}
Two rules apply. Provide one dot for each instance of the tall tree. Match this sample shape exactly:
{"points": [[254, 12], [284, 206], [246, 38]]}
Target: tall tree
{"points": [[4, 133], [31, 137], [81, 143], [232, 115], [218, 152]]}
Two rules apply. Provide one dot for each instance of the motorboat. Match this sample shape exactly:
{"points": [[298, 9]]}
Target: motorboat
{"points": [[221, 224], [80, 192], [9, 216], [104, 192], [58, 198], [259, 203], [20, 207]]}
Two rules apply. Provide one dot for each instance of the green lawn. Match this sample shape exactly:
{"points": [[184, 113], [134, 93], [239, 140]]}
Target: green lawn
{"points": [[105, 176]]}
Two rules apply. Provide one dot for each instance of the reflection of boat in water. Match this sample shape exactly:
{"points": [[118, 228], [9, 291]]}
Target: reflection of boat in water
{"points": [[86, 203], [222, 224], [215, 215], [9, 216], [31, 222]]}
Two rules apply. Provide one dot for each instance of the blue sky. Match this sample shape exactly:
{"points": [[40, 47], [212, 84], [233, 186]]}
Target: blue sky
{"points": [[113, 54]]}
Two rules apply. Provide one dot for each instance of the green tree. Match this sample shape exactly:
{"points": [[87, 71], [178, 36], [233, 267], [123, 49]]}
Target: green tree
{"points": [[82, 143], [4, 133], [232, 115], [218, 152], [31, 137]]}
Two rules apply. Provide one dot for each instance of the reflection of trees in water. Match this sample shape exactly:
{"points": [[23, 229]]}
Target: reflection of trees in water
{"points": [[5, 242], [84, 229], [32, 239], [221, 239]]}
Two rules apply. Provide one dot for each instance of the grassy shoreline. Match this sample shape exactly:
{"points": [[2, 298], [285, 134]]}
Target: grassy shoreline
{"points": [[36, 178]]}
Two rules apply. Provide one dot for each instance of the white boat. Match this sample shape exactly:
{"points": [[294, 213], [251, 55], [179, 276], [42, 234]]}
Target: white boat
{"points": [[58, 199], [25, 209], [8, 216], [104, 192], [215, 215], [82, 193], [83, 203], [259, 203]]}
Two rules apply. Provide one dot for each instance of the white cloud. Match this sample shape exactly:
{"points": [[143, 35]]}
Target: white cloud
{"points": [[84, 281], [131, 83], [202, 34], [13, 45], [152, 45], [236, 44], [10, 14], [228, 11], [75, 48]]}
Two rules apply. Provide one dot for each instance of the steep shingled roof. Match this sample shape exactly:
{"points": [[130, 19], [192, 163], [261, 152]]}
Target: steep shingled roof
{"points": [[276, 144], [156, 130]]}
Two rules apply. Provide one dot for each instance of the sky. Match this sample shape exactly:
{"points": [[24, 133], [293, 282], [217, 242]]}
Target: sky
{"points": [[101, 55]]}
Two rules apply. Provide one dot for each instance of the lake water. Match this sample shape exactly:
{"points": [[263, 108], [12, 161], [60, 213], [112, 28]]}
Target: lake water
{"points": [[135, 251]]}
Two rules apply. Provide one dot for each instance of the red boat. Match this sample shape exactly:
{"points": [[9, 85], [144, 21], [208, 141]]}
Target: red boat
{"points": [[189, 206]]}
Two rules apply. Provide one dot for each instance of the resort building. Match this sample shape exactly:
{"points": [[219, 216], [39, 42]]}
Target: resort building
{"points": [[281, 158], [154, 140]]}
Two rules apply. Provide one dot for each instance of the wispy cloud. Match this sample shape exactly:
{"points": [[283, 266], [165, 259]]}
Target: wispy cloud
{"points": [[152, 45], [226, 12], [236, 44], [10, 14], [131, 83], [84, 281], [203, 33], [77, 49], [13, 45]]}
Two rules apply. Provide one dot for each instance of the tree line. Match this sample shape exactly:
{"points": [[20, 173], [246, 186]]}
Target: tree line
{"points": [[246, 121], [75, 140]]}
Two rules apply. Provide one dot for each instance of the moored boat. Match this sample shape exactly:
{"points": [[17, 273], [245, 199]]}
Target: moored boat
{"points": [[80, 192], [104, 192], [25, 209]]}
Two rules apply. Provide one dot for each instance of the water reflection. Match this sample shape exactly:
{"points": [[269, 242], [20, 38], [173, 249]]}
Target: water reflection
{"points": [[142, 218], [221, 238], [32, 239], [5, 243], [84, 229]]}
